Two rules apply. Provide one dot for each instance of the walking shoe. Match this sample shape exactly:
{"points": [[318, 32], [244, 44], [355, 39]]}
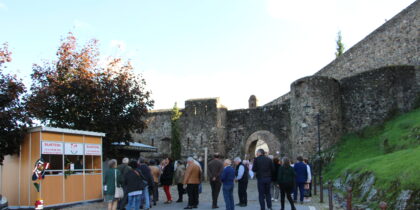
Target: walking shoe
{"points": [[214, 207], [179, 201], [188, 207]]}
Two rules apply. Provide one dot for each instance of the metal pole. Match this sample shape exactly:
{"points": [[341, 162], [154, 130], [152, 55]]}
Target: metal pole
{"points": [[349, 198], [205, 163], [315, 184], [321, 193], [383, 205]]}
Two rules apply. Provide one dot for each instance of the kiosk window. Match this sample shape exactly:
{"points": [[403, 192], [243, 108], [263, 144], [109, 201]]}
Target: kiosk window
{"points": [[74, 163], [56, 164], [93, 164]]}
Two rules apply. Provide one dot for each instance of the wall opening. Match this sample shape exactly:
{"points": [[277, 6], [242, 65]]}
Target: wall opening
{"points": [[261, 140]]}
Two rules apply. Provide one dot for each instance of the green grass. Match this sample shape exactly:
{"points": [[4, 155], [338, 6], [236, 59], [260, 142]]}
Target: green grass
{"points": [[390, 151]]}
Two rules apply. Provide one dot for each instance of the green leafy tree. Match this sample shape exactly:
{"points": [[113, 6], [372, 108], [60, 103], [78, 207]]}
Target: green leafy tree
{"points": [[77, 92], [340, 46], [175, 133], [13, 118]]}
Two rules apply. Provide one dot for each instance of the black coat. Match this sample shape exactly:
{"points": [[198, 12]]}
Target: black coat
{"points": [[167, 175], [133, 182], [147, 174], [263, 167]]}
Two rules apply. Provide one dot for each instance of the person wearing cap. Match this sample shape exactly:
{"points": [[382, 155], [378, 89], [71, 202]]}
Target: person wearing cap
{"points": [[241, 176]]}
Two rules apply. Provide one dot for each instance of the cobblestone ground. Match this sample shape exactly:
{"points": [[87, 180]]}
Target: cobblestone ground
{"points": [[205, 201]]}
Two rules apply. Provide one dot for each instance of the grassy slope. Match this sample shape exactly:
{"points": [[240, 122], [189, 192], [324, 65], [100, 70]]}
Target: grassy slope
{"points": [[398, 160]]}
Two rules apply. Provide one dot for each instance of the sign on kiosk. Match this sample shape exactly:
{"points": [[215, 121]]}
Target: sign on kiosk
{"points": [[52, 148], [93, 149], [73, 149]]}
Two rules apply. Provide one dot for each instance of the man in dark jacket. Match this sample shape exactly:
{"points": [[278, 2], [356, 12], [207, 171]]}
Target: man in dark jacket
{"points": [[124, 169], [301, 178], [241, 176], [148, 181], [215, 168], [134, 185], [263, 167]]}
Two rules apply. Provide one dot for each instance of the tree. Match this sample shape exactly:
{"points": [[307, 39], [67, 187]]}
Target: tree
{"points": [[175, 133], [340, 45], [13, 118], [77, 92]]}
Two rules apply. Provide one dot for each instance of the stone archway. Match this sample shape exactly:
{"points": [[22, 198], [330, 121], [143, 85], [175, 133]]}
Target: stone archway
{"points": [[257, 140]]}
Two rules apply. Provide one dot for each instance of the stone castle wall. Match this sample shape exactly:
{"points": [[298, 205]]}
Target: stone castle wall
{"points": [[348, 94], [371, 97], [311, 96], [396, 42]]}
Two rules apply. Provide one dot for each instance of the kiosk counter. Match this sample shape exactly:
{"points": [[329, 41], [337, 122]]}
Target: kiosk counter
{"points": [[74, 175]]}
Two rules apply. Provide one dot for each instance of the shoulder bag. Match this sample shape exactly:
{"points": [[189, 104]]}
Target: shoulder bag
{"points": [[119, 193]]}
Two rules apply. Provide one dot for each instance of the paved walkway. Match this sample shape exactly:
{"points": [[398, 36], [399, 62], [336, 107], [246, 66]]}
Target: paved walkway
{"points": [[205, 201]]}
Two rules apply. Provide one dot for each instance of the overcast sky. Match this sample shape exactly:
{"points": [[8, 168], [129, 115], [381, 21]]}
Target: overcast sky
{"points": [[197, 48]]}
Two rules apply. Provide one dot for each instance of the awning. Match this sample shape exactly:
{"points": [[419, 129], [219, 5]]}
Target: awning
{"points": [[135, 146]]}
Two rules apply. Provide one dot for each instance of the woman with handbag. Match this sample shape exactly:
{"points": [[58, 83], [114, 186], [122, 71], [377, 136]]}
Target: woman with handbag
{"points": [[135, 186], [112, 185]]}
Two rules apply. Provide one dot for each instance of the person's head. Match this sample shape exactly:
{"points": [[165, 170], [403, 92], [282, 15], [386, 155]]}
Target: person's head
{"points": [[152, 162], [305, 160], [276, 160], [200, 159], [190, 160], [168, 160], [216, 155], [133, 164], [260, 152], [112, 163], [125, 160], [227, 162], [299, 158], [142, 161], [286, 161], [237, 160]]}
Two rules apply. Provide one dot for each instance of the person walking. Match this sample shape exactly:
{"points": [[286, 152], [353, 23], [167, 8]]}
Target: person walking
{"points": [[214, 169], [179, 179], [154, 169], [135, 186], [112, 179], [301, 171], [166, 178], [275, 191], [286, 178], [228, 177], [192, 179], [241, 176], [147, 177], [263, 167], [124, 169]]}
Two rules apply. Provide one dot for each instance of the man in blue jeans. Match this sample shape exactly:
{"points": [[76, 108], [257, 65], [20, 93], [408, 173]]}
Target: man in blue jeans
{"points": [[263, 167], [227, 177], [148, 182], [301, 178]]}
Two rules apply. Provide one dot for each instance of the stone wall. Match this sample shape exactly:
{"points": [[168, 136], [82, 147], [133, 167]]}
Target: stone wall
{"points": [[394, 43], [371, 97], [242, 123], [157, 133], [311, 96], [202, 125]]}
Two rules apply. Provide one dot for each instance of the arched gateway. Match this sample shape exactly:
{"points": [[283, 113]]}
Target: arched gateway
{"points": [[261, 139]]}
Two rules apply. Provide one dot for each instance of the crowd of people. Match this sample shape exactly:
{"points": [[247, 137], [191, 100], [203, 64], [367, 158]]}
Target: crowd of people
{"points": [[277, 179]]}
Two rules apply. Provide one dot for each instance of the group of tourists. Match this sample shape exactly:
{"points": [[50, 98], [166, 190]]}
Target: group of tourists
{"points": [[140, 179]]}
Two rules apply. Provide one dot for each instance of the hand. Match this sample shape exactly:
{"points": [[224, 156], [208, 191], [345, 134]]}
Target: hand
{"points": [[213, 179]]}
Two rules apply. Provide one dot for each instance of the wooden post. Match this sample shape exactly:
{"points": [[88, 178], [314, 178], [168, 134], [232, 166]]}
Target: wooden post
{"points": [[205, 163], [330, 195], [314, 185], [321, 190], [349, 197], [383, 205]]}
